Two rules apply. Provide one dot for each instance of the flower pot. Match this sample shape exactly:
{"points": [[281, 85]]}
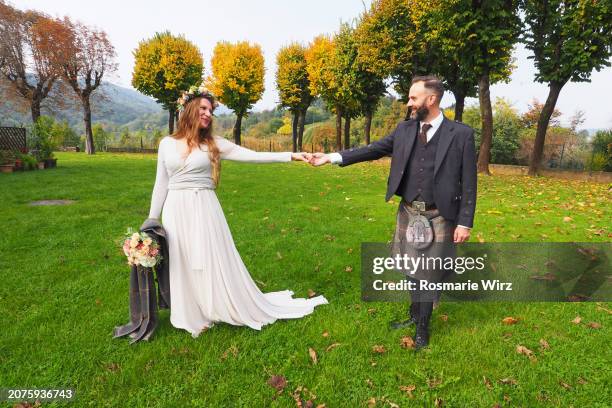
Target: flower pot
{"points": [[50, 163], [6, 168]]}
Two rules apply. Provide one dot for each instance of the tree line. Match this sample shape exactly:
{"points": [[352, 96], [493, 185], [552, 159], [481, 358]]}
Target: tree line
{"points": [[467, 43]]}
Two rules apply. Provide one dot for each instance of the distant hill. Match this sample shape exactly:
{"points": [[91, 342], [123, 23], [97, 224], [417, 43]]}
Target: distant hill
{"points": [[111, 104]]}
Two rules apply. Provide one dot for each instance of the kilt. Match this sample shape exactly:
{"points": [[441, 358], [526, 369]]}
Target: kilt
{"points": [[441, 247]]}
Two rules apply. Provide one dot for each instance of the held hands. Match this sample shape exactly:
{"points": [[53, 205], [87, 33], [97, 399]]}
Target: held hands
{"points": [[316, 159], [302, 156], [319, 159]]}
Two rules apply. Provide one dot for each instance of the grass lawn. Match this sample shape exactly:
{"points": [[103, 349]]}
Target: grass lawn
{"points": [[64, 286]]}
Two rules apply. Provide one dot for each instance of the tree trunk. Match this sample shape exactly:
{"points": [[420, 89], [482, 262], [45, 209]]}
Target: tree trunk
{"points": [[89, 143], [301, 123], [543, 121], [486, 113], [459, 105], [367, 127], [294, 130], [347, 132], [237, 128], [338, 129], [176, 116], [170, 121], [35, 108]]}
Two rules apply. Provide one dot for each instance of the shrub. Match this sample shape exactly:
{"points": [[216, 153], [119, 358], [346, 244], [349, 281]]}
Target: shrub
{"points": [[41, 138]]}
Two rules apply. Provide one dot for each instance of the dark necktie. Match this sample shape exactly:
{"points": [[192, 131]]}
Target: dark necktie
{"points": [[423, 134]]}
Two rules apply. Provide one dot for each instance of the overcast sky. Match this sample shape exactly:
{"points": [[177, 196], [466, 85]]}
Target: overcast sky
{"points": [[273, 24]]}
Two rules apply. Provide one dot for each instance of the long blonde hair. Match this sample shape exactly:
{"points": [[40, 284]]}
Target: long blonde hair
{"points": [[189, 128]]}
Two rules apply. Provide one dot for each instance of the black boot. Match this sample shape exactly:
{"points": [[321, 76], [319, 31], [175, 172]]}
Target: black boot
{"points": [[412, 313], [421, 338]]}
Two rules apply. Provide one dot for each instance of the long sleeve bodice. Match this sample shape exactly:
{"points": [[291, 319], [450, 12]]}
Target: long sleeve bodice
{"points": [[195, 171]]}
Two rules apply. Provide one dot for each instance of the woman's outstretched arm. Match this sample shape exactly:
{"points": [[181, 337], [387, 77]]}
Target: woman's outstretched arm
{"points": [[231, 151]]}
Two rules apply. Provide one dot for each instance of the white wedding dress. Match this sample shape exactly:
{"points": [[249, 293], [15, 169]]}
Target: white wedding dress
{"points": [[208, 281]]}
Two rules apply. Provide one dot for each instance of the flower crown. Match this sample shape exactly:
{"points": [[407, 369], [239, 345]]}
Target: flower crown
{"points": [[196, 92]]}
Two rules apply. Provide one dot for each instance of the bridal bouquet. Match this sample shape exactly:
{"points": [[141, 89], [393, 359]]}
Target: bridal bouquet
{"points": [[141, 249]]}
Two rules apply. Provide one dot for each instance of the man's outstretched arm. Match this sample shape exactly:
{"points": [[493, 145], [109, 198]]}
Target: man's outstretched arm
{"points": [[373, 151]]}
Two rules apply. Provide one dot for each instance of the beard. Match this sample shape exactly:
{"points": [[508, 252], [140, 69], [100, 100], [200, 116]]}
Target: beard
{"points": [[419, 114]]}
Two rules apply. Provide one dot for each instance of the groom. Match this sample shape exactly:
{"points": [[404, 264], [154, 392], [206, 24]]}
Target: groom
{"points": [[433, 170]]}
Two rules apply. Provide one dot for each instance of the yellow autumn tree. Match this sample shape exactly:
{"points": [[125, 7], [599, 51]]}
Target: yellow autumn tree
{"points": [[166, 65], [294, 87], [321, 64], [237, 78], [286, 128]]}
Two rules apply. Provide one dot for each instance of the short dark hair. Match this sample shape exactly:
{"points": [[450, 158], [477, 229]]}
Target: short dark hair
{"points": [[432, 83]]}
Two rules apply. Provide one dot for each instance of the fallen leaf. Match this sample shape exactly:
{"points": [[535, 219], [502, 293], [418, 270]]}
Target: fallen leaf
{"points": [[524, 350], [372, 402], [594, 325], [599, 307], [547, 277], [487, 383], [278, 255], [313, 355], [311, 293], [509, 320], [348, 269], [408, 389], [434, 382], [332, 346], [567, 219], [438, 402], [588, 252], [325, 334], [577, 298], [510, 381], [407, 342], [565, 385], [544, 344], [232, 350], [278, 382], [581, 380], [577, 320], [444, 317], [379, 349]]}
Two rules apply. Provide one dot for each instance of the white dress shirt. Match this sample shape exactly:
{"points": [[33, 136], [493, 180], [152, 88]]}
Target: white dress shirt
{"points": [[336, 158]]}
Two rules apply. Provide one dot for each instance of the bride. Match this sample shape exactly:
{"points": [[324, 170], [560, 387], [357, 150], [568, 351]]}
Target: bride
{"points": [[209, 283]]}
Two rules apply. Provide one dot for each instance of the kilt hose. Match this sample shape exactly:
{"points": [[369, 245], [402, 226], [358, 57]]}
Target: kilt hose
{"points": [[422, 300]]}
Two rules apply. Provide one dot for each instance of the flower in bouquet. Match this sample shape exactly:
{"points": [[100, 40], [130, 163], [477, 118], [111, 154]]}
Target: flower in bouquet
{"points": [[141, 249]]}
